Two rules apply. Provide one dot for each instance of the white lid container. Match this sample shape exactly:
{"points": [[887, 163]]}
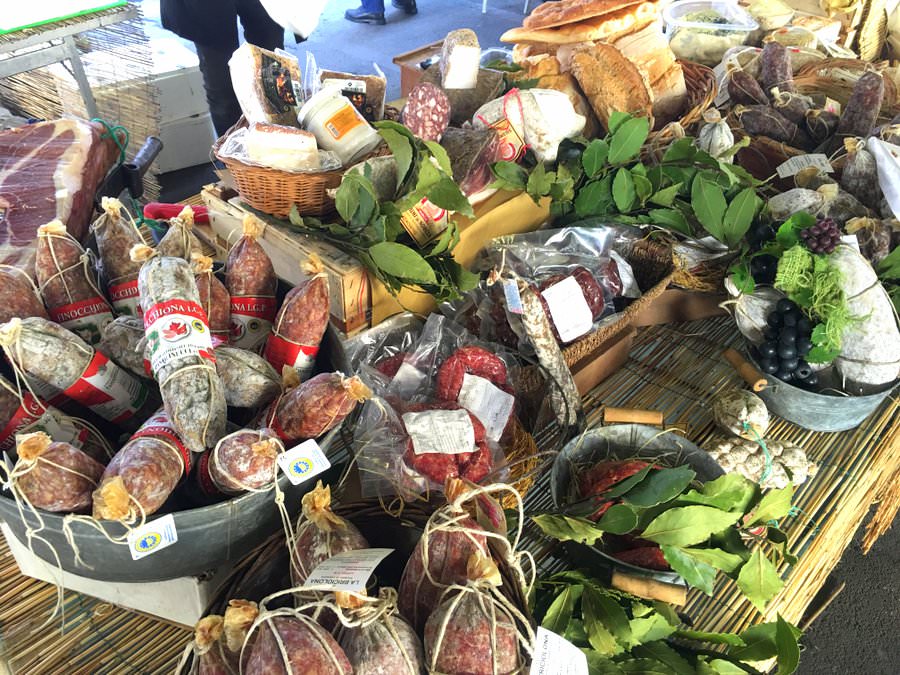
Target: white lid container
{"points": [[337, 125]]}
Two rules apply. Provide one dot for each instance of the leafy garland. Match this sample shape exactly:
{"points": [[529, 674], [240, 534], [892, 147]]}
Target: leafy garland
{"points": [[700, 531], [688, 191], [621, 634], [372, 231]]}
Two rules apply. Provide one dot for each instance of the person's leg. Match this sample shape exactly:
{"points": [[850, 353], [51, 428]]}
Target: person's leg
{"points": [[408, 6], [371, 11], [223, 104], [259, 28]]}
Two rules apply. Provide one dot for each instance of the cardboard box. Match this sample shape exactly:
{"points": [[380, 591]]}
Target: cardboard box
{"points": [[182, 601], [410, 70], [605, 360]]}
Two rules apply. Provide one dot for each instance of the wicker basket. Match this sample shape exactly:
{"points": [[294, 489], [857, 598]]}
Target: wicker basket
{"points": [[701, 93], [274, 191]]}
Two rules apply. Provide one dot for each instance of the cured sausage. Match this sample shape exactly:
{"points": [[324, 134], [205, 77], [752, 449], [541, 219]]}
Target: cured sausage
{"points": [[64, 273], [19, 297], [54, 476], [474, 361], [316, 406], [301, 323], [862, 109], [214, 299], [775, 68], [250, 278], [143, 474], [116, 234], [210, 653], [180, 351], [242, 461], [65, 364], [249, 380], [123, 341], [179, 241], [427, 112], [301, 646]]}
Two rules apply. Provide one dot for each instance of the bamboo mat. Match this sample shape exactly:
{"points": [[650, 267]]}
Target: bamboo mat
{"points": [[674, 369]]}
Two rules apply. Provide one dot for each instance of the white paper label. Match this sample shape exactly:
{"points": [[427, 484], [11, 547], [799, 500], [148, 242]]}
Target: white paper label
{"points": [[852, 241], [407, 380], [152, 537], [887, 158], [795, 165], [832, 106], [490, 404], [513, 297], [447, 432], [347, 571], [554, 655], [358, 86], [569, 310], [303, 462]]}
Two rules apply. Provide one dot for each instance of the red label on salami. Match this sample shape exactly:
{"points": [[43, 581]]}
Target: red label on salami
{"points": [[84, 318], [108, 390], [160, 427], [29, 412], [204, 477], [251, 320], [177, 329], [281, 352], [126, 298]]}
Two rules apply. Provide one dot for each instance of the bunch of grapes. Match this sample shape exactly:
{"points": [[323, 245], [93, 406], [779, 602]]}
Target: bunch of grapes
{"points": [[822, 237], [787, 341]]}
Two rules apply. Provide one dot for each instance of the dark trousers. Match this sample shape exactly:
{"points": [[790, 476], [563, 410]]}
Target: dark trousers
{"points": [[373, 6], [259, 30]]}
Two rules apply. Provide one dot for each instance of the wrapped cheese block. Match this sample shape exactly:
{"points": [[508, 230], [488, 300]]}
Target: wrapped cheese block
{"points": [[460, 59], [282, 147], [366, 92], [267, 84]]}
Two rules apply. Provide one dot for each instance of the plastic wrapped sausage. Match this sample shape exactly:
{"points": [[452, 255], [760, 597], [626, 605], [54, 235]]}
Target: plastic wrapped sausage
{"points": [[249, 380], [143, 474], [214, 299], [250, 278], [116, 234], [301, 646], [300, 324], [320, 534], [65, 364], [179, 241], [180, 349], [19, 297], [64, 272], [316, 406], [123, 341], [242, 461], [54, 476]]}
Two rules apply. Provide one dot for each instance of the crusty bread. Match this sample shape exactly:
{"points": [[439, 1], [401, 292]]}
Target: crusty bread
{"points": [[610, 27], [669, 95], [545, 68], [611, 82], [553, 14], [649, 49]]}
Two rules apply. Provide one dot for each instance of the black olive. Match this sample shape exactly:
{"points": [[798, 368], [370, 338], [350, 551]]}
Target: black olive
{"points": [[802, 371], [788, 336], [769, 365], [784, 375], [790, 364], [784, 305], [774, 320], [786, 352], [789, 319], [803, 326], [770, 333], [768, 349], [804, 345], [812, 380]]}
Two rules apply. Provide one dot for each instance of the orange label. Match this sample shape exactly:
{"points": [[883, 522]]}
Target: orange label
{"points": [[424, 221], [343, 122], [512, 147]]}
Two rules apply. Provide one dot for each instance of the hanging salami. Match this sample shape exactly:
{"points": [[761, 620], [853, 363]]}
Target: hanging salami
{"points": [[301, 323], [250, 278], [180, 241], [116, 234], [214, 299], [180, 350], [64, 272], [123, 341]]}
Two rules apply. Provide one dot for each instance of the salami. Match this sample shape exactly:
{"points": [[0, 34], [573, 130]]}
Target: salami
{"points": [[427, 112], [64, 273], [116, 234], [211, 656], [473, 360], [180, 350], [239, 617], [54, 476], [250, 278], [19, 297], [316, 406], [240, 462], [861, 112], [744, 89], [67, 365], [320, 534], [775, 68], [300, 323], [143, 474], [249, 380], [286, 644], [123, 341], [214, 299], [180, 241]]}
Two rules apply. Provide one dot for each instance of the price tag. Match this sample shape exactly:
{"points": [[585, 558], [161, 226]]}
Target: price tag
{"points": [[347, 571], [569, 310], [490, 404], [446, 432], [554, 655], [152, 537], [303, 462], [796, 164], [513, 298]]}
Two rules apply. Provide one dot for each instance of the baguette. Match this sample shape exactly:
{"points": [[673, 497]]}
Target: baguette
{"points": [[608, 27]]}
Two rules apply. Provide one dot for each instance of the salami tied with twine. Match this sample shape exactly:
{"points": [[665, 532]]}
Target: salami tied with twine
{"points": [[249, 380], [301, 323], [40, 350], [123, 341], [179, 241], [250, 278], [218, 640], [116, 235], [244, 461], [143, 473], [180, 350], [19, 297], [65, 276], [214, 298]]}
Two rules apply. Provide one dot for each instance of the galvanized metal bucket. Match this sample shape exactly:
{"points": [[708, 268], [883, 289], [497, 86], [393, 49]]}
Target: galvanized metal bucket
{"points": [[623, 441]]}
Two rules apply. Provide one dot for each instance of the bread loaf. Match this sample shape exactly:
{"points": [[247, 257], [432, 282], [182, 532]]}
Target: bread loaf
{"points": [[460, 59], [282, 147], [649, 50], [553, 14], [611, 82], [610, 26], [366, 92], [546, 70], [669, 95]]}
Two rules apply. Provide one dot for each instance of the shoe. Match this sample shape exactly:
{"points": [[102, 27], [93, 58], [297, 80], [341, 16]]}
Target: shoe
{"points": [[359, 15], [409, 6]]}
